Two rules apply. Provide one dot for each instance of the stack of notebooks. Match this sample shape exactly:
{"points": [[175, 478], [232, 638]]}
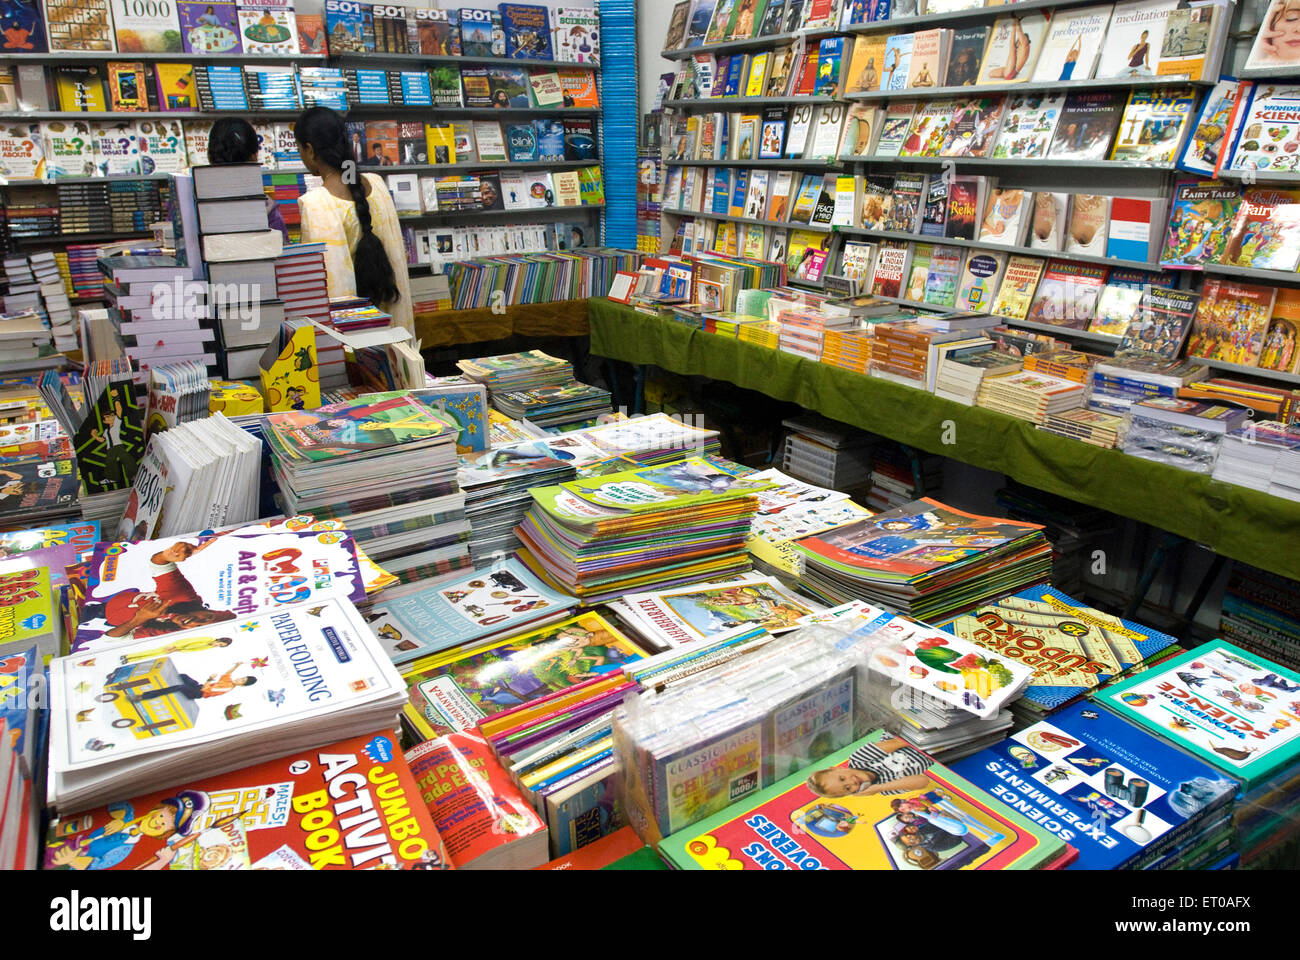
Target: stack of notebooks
{"points": [[655, 526], [240, 252], [1030, 396], [554, 406], [924, 560], [1075, 648], [384, 466]]}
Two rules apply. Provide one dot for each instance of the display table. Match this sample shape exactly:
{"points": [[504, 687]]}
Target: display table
{"points": [[1232, 521], [445, 328]]}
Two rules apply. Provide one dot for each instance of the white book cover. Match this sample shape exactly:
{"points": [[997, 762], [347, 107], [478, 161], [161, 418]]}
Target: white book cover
{"points": [[1089, 224], [294, 665], [1275, 42], [1133, 39], [268, 27], [405, 191], [827, 124], [1072, 45], [689, 614], [1047, 228], [756, 196], [22, 151], [146, 27], [197, 133], [69, 148], [980, 278], [491, 142], [162, 146], [1013, 48], [1028, 125], [541, 191], [858, 260], [117, 147], [1006, 216], [797, 131]]}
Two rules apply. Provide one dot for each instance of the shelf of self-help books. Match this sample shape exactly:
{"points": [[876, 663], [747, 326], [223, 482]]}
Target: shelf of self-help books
{"points": [[720, 102], [1055, 86], [368, 59], [1237, 368], [814, 228], [1018, 251], [685, 53], [1249, 273], [1127, 165], [825, 164]]}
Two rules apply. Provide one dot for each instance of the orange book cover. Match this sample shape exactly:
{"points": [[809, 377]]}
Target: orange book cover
{"points": [[600, 854], [579, 88], [470, 796], [351, 805]]}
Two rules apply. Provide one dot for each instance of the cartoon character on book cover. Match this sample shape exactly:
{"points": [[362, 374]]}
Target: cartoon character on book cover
{"points": [[110, 442], [1200, 223]]}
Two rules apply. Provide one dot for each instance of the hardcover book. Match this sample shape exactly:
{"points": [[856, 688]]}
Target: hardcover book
{"points": [[146, 28]]}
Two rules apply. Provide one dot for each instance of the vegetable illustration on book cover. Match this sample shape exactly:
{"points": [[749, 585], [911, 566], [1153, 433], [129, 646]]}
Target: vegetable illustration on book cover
{"points": [[828, 819], [266, 817], [1270, 133], [146, 27]]}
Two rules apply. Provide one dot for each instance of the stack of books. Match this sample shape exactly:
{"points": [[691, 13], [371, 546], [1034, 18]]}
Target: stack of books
{"points": [[924, 560], [1090, 426], [1261, 612], [1119, 383], [899, 476], [240, 252], [384, 467], [24, 338], [162, 311], [823, 452], [1182, 433], [1086, 647], [141, 692], [907, 353], [554, 406], [1073, 365], [87, 281], [849, 349], [963, 370], [496, 486], [655, 526], [513, 372], [1030, 396], [1262, 455]]}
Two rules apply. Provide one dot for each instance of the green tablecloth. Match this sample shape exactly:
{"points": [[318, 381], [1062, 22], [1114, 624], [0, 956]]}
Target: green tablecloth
{"points": [[1239, 523]]}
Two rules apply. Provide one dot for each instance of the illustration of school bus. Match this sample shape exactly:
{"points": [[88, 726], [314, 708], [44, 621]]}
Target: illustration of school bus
{"points": [[153, 716]]}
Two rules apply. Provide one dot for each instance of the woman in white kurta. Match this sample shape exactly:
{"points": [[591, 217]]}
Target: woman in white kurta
{"points": [[353, 215]]}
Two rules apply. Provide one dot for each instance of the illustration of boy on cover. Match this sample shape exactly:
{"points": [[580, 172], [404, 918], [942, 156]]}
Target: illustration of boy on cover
{"points": [[172, 819]]}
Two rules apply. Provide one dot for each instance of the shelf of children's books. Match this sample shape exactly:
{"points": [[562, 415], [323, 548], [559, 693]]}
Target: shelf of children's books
{"points": [[726, 104], [731, 46], [86, 56], [370, 109], [1249, 177], [779, 163], [782, 224], [979, 245], [528, 212], [1055, 86], [486, 165], [414, 59], [973, 14], [1288, 71], [1096, 165], [152, 115], [55, 181], [1289, 379], [1248, 273]]}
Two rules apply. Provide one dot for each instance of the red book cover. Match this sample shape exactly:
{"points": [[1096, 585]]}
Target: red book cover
{"points": [[963, 208], [807, 75], [352, 805], [469, 793]]}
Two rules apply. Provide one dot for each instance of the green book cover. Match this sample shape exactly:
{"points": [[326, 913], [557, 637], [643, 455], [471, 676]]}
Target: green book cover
{"points": [[877, 804], [1231, 708]]}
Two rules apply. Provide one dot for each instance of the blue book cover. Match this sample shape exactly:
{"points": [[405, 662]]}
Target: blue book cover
{"points": [[464, 402], [372, 86], [521, 142], [1072, 647], [1120, 796], [17, 669], [1234, 709], [550, 139], [22, 27], [528, 31], [349, 27], [475, 32], [830, 54], [227, 86], [416, 89], [740, 189], [735, 76], [584, 811], [502, 599], [701, 16], [880, 10], [721, 190]]}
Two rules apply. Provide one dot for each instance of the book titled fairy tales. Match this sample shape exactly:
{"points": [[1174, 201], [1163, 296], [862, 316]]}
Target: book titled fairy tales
{"points": [[352, 805], [826, 818]]}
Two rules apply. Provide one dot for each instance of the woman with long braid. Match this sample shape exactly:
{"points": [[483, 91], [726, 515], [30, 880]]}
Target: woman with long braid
{"points": [[353, 215]]}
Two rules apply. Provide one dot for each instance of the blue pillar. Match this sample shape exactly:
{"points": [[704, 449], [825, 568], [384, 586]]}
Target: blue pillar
{"points": [[619, 119]]}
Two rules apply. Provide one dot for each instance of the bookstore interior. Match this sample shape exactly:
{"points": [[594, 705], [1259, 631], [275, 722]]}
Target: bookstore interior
{"points": [[660, 434]]}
